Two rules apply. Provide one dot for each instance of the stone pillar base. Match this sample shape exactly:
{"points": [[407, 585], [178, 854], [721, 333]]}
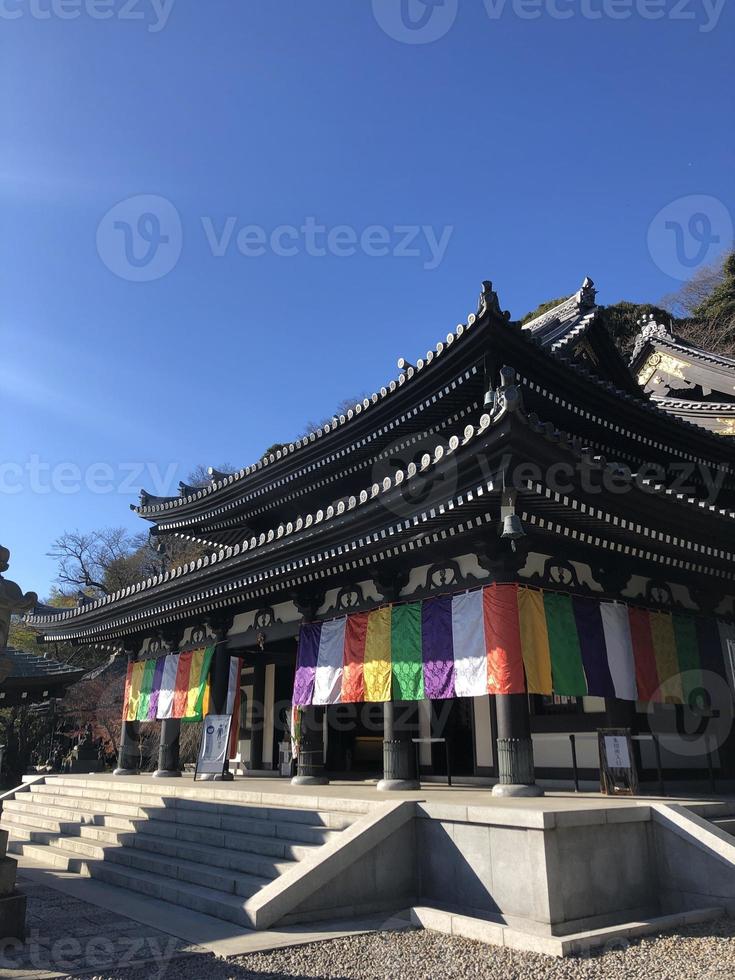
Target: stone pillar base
{"points": [[309, 781], [166, 773], [391, 785], [126, 772], [517, 789]]}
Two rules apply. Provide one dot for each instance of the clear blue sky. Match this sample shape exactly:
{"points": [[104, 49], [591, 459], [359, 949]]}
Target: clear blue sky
{"points": [[545, 146]]}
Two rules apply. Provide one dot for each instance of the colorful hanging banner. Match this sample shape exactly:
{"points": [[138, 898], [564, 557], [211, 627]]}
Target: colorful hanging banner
{"points": [[167, 687], [503, 639]]}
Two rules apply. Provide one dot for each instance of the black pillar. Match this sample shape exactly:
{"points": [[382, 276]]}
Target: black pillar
{"points": [[257, 716], [515, 748], [168, 752], [311, 770], [128, 759], [399, 756]]}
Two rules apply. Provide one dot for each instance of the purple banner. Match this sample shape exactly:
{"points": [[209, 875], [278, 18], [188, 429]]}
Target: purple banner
{"points": [[156, 689], [592, 645], [306, 659], [438, 648]]}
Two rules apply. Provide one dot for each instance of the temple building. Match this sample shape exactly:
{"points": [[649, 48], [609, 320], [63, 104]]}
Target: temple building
{"points": [[694, 384], [518, 539]]}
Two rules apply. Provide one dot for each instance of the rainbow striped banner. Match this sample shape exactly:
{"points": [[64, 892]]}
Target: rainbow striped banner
{"points": [[505, 639], [173, 686]]}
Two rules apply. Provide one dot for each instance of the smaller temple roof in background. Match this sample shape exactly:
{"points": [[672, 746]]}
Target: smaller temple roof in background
{"points": [[26, 678], [684, 379], [566, 322]]}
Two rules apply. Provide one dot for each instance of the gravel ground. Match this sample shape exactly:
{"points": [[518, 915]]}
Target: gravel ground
{"points": [[703, 952]]}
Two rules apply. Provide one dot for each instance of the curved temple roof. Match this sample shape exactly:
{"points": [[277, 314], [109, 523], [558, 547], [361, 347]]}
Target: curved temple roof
{"points": [[351, 531]]}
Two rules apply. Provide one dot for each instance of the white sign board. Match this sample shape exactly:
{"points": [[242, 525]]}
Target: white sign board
{"points": [[215, 744], [616, 750]]}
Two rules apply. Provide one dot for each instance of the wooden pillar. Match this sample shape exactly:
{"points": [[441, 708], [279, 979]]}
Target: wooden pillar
{"points": [[128, 759], [515, 747]]}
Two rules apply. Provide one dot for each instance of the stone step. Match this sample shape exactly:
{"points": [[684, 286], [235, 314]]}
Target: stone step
{"points": [[179, 892], [182, 869], [95, 846], [109, 828], [49, 855], [196, 897], [336, 819], [83, 810], [211, 792]]}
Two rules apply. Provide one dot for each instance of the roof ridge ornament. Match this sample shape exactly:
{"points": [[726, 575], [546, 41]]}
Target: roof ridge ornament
{"points": [[586, 297], [148, 499], [489, 302], [649, 328]]}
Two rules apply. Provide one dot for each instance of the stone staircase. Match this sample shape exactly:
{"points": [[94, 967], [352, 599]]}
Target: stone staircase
{"points": [[205, 848]]}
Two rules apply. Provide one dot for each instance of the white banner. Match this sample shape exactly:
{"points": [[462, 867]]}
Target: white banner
{"points": [[213, 751]]}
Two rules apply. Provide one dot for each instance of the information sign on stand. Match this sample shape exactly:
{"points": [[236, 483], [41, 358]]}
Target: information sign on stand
{"points": [[214, 747]]}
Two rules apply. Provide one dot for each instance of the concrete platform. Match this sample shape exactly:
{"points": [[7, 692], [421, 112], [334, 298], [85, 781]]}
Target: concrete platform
{"points": [[263, 853]]}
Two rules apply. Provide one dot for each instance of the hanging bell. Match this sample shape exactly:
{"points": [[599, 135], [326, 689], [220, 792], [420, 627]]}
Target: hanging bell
{"points": [[512, 528]]}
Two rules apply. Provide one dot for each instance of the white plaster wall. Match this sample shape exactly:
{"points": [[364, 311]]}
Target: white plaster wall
{"points": [[269, 720], [483, 731], [425, 732]]}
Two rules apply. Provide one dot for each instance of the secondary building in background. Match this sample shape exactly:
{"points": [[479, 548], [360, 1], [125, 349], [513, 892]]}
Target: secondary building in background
{"points": [[693, 384], [507, 462]]}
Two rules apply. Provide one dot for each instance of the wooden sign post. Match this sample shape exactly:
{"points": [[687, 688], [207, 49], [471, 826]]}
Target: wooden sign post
{"points": [[618, 772]]}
